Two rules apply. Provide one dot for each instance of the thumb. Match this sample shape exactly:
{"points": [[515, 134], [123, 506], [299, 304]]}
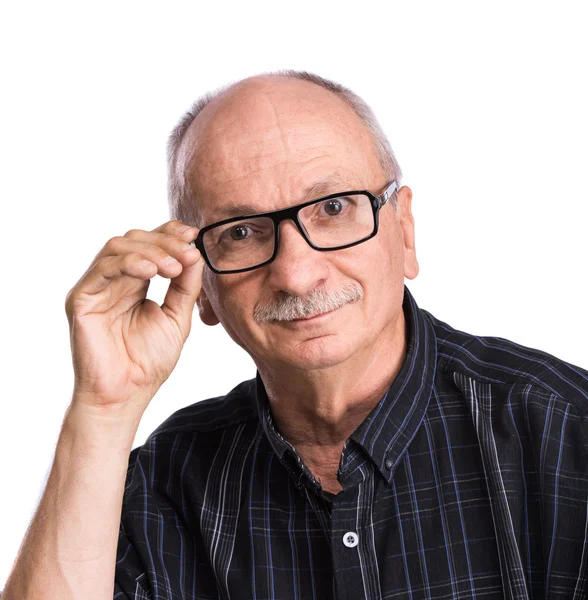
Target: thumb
{"points": [[182, 293]]}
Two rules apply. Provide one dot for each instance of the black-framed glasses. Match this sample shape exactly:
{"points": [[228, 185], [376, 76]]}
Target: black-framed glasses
{"points": [[329, 223]]}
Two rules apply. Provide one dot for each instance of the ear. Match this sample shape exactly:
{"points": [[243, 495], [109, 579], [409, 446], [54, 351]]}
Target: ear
{"points": [[205, 310], [411, 265]]}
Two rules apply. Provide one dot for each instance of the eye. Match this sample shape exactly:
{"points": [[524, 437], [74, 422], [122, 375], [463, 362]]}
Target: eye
{"points": [[337, 206], [333, 207], [239, 232]]}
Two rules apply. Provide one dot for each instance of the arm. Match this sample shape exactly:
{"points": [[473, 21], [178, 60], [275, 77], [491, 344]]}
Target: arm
{"points": [[69, 549], [123, 348]]}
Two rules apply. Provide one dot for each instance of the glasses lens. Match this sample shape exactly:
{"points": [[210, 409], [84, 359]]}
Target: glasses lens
{"points": [[338, 221], [240, 244]]}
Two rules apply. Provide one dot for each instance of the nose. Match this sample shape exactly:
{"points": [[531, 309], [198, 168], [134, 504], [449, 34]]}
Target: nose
{"points": [[298, 268]]}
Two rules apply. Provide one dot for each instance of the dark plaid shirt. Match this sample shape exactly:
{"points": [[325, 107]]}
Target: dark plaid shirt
{"points": [[468, 479]]}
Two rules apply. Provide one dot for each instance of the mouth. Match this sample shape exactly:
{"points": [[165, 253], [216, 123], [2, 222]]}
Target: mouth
{"points": [[314, 317]]}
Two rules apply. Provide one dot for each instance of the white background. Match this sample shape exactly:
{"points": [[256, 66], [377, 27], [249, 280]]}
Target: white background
{"points": [[485, 105]]}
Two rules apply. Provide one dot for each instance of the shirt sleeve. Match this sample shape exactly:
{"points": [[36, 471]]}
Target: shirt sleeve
{"points": [[130, 578]]}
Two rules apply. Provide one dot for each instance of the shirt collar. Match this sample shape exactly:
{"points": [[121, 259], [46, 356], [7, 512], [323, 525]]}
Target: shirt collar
{"points": [[388, 430], [284, 450], [278, 443]]}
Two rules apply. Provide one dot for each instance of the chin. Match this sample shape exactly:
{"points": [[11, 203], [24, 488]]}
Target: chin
{"points": [[318, 353]]}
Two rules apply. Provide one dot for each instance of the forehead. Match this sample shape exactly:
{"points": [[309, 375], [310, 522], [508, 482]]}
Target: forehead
{"points": [[272, 142]]}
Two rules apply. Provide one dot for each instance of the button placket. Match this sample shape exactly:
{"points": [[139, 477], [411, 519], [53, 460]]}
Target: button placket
{"points": [[353, 559]]}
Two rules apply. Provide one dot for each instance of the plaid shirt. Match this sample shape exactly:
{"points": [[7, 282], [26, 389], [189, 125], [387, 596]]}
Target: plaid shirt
{"points": [[468, 479]]}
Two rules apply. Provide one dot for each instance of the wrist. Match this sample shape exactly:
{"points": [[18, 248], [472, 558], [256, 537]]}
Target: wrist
{"points": [[105, 427]]}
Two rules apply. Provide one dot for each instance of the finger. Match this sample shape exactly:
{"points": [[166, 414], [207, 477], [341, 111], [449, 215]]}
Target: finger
{"points": [[109, 268], [166, 251], [144, 259], [182, 294], [163, 235], [171, 238], [177, 228]]}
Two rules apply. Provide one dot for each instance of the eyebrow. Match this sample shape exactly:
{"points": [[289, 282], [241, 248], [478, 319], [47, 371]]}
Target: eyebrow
{"points": [[329, 185]]}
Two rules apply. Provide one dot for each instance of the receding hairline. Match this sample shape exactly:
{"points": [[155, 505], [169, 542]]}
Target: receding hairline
{"points": [[182, 200], [256, 83]]}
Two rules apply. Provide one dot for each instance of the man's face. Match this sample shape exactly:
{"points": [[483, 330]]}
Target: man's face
{"points": [[270, 143]]}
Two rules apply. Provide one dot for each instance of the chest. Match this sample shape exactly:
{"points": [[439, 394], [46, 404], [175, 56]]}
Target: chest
{"points": [[453, 518], [444, 525]]}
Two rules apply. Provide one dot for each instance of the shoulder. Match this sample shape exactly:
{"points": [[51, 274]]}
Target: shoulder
{"points": [[496, 360], [197, 431], [213, 414]]}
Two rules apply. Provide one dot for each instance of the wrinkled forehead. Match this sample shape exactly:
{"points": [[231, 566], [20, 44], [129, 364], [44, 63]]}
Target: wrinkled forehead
{"points": [[273, 141]]}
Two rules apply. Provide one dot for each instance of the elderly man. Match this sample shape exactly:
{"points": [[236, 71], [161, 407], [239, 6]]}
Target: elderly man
{"points": [[379, 453]]}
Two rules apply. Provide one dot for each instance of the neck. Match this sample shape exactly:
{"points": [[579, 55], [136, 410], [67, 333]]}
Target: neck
{"points": [[317, 411]]}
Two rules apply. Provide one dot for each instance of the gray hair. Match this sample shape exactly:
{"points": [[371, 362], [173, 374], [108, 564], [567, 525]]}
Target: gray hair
{"points": [[181, 198]]}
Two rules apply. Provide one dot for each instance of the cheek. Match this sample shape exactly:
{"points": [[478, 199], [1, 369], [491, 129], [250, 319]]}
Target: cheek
{"points": [[231, 301], [380, 272], [390, 244], [380, 259]]}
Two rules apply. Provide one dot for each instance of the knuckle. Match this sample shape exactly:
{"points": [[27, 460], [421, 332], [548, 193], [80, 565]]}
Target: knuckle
{"points": [[131, 258], [115, 242], [102, 263], [126, 260], [131, 233], [71, 300], [173, 228], [167, 241], [170, 237]]}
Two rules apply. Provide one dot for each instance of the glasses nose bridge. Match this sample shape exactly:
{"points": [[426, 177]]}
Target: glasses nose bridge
{"points": [[290, 214]]}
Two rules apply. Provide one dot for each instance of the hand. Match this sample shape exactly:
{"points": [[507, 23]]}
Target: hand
{"points": [[123, 345]]}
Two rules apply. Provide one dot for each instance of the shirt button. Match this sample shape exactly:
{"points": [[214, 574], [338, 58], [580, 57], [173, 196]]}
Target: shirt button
{"points": [[350, 539], [388, 463]]}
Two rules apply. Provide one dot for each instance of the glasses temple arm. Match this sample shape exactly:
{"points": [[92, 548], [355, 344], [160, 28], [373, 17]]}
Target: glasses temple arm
{"points": [[387, 193]]}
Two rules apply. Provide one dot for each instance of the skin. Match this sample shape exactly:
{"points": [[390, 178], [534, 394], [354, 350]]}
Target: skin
{"points": [[267, 142]]}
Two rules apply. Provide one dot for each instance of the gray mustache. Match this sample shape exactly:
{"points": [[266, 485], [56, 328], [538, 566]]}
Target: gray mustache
{"points": [[288, 308]]}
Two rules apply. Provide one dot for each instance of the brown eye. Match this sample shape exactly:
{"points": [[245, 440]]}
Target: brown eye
{"points": [[239, 232], [333, 207]]}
